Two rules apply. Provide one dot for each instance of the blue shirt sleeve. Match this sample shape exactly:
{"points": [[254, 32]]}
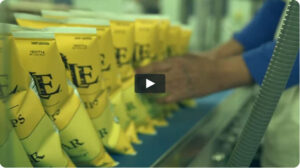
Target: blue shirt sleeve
{"points": [[262, 27], [257, 61]]}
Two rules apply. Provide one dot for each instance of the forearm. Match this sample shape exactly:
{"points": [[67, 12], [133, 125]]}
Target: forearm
{"points": [[214, 75], [228, 49], [231, 72]]}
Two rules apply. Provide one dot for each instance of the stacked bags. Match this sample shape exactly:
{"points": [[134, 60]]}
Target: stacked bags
{"points": [[84, 67], [12, 153], [85, 73], [122, 31], [123, 42], [110, 72], [34, 128], [75, 71], [60, 99], [151, 46]]}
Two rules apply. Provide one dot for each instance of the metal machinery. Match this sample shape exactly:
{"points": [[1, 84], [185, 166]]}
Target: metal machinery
{"points": [[211, 140]]}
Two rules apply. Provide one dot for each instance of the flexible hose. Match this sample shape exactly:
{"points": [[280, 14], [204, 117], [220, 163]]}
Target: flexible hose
{"points": [[274, 83]]}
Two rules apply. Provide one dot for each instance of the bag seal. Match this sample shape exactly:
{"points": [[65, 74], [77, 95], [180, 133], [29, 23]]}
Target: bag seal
{"points": [[54, 13], [33, 34], [149, 16], [26, 16], [72, 30], [6, 28], [85, 21], [116, 17]]}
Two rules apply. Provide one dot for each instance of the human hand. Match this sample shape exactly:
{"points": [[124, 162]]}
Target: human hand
{"points": [[193, 76], [186, 77]]}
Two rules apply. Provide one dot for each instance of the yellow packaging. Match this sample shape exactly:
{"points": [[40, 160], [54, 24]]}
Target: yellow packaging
{"points": [[137, 110], [85, 72], [36, 131], [163, 38], [123, 41], [166, 47], [119, 107], [12, 153], [55, 14], [174, 40], [148, 44], [49, 23], [38, 53], [35, 21], [27, 116], [163, 30], [110, 73], [188, 103], [155, 110], [82, 13], [184, 40], [146, 41], [170, 109], [109, 69]]}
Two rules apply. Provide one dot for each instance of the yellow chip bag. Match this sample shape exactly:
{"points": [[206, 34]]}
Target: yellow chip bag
{"points": [[110, 73], [33, 127], [148, 49], [38, 53], [12, 153], [55, 14], [146, 40], [79, 48], [160, 37], [123, 42], [35, 21], [173, 40], [36, 131], [163, 38], [122, 30], [82, 13], [184, 40]]}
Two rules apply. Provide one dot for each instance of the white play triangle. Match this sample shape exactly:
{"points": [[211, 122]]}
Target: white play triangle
{"points": [[149, 83]]}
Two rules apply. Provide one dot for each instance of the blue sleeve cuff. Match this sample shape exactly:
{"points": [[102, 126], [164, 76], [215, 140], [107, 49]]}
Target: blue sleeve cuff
{"points": [[262, 27], [257, 61]]}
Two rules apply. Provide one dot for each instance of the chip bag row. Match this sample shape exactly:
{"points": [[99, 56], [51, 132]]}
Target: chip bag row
{"points": [[72, 79]]}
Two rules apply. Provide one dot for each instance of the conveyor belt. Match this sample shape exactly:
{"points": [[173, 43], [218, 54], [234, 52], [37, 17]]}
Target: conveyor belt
{"points": [[154, 147]]}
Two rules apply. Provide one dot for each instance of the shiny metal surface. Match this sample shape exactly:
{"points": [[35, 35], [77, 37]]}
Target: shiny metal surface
{"points": [[210, 141]]}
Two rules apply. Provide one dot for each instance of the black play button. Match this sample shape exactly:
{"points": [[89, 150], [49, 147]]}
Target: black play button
{"points": [[150, 83]]}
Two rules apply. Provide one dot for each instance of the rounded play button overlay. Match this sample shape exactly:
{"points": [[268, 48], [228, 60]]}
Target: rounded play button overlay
{"points": [[150, 83]]}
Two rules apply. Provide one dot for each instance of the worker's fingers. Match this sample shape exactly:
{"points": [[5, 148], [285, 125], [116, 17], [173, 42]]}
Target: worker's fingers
{"points": [[176, 91], [159, 67], [166, 100], [173, 97]]}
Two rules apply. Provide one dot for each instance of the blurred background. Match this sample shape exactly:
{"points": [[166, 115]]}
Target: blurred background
{"points": [[212, 21]]}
